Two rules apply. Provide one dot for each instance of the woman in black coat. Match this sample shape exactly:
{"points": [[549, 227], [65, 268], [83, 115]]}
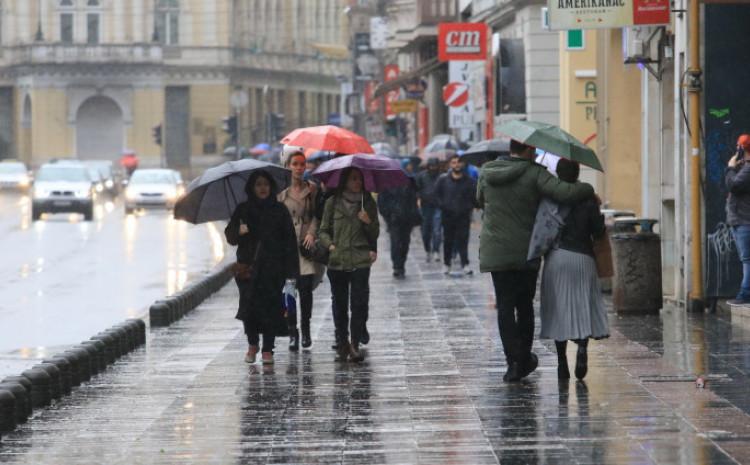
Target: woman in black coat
{"points": [[263, 232]]}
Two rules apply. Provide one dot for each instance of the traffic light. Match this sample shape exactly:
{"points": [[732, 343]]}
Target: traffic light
{"points": [[156, 133], [278, 126], [230, 127]]}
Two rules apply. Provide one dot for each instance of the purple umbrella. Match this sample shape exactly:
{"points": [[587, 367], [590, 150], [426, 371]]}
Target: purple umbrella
{"points": [[380, 173]]}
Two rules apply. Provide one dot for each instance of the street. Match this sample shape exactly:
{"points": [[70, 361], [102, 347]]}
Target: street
{"points": [[64, 279]]}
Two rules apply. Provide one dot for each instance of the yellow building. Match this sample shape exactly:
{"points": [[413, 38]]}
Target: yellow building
{"points": [[90, 78], [600, 105]]}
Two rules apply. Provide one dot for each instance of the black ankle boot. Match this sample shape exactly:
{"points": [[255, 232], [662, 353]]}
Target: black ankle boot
{"points": [[306, 341], [563, 372], [582, 360], [293, 340]]}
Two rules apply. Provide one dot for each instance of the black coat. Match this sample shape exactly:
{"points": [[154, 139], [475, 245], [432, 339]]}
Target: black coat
{"points": [[456, 197], [426, 182], [399, 205], [271, 247], [583, 224], [738, 202]]}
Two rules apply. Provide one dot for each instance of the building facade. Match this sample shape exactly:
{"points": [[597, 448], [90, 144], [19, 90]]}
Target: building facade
{"points": [[90, 78]]}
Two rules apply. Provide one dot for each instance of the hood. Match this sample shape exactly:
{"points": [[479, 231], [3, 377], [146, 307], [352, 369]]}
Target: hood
{"points": [[505, 170], [62, 185]]}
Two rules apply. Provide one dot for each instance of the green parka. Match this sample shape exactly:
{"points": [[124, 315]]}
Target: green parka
{"points": [[509, 191], [354, 240]]}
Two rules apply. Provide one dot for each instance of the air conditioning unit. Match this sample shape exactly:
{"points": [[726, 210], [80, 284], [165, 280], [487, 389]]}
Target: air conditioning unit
{"points": [[636, 44]]}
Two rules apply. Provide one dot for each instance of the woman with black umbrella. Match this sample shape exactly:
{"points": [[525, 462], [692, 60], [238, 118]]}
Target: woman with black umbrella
{"points": [[263, 232]]}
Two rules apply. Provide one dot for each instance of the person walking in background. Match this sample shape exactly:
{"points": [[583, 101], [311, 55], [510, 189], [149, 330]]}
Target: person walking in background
{"points": [[432, 227], [509, 191], [263, 232], [349, 229], [738, 211], [401, 213], [300, 199], [572, 307], [455, 193]]}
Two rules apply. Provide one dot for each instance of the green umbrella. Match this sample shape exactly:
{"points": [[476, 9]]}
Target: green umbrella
{"points": [[552, 139]]}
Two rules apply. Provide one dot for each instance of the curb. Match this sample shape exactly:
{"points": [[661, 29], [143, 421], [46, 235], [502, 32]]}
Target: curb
{"points": [[166, 311], [57, 376]]}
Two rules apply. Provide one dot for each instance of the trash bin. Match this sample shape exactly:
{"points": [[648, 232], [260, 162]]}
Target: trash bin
{"points": [[610, 216], [636, 250]]}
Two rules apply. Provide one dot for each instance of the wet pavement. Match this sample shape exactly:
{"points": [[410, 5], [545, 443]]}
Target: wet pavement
{"points": [[429, 391]]}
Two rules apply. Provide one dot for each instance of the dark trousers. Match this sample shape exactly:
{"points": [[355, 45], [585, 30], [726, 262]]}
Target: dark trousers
{"points": [[514, 292], [349, 286], [432, 234], [305, 291], [400, 233], [253, 338], [456, 235]]}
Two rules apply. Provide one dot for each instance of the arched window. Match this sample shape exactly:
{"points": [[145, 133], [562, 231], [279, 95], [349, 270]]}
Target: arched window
{"points": [[168, 21]]}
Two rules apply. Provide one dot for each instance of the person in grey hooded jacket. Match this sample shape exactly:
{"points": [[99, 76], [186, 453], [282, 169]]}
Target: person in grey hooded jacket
{"points": [[738, 211]]}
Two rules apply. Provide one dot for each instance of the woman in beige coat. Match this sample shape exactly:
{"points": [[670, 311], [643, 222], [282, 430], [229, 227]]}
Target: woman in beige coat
{"points": [[300, 199]]}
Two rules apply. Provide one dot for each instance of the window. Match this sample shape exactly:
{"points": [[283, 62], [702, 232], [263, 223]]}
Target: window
{"points": [[92, 28], [66, 3], [168, 21], [66, 28], [1, 22], [92, 3]]}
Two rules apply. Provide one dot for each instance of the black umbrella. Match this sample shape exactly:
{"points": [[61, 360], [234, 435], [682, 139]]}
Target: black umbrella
{"points": [[486, 150], [215, 194]]}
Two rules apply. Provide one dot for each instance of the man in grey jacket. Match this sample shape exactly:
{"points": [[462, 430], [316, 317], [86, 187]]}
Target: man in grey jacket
{"points": [[738, 211]]}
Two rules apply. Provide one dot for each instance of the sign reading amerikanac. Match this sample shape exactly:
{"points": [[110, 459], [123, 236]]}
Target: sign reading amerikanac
{"points": [[589, 14]]}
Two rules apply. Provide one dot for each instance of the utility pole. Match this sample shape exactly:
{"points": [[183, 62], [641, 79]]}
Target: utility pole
{"points": [[695, 299]]}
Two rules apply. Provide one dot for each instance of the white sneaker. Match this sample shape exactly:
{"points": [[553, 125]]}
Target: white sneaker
{"points": [[467, 271], [446, 269]]}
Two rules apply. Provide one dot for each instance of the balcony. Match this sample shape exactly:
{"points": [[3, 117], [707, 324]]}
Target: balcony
{"points": [[433, 12], [82, 53]]}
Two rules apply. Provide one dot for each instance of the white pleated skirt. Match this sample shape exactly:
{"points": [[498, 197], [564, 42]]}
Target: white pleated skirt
{"points": [[572, 306]]}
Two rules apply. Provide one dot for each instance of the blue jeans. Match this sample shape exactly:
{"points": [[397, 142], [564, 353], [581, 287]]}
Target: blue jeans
{"points": [[432, 229], [742, 238]]}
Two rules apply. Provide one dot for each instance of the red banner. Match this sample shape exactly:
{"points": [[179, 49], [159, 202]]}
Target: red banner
{"points": [[462, 41], [651, 11], [423, 130]]}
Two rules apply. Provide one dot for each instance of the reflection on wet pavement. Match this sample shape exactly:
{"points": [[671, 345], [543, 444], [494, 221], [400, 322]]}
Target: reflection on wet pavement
{"points": [[430, 392]]}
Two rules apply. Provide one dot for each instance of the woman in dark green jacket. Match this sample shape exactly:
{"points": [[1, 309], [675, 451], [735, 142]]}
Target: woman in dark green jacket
{"points": [[349, 229]]}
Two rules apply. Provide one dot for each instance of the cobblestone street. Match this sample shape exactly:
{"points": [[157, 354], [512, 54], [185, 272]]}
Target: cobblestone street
{"points": [[430, 391]]}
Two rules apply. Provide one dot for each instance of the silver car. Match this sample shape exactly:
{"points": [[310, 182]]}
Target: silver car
{"points": [[14, 175], [63, 188], [152, 188]]}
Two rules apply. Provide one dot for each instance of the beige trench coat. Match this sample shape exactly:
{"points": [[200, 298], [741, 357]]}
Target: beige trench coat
{"points": [[302, 211]]}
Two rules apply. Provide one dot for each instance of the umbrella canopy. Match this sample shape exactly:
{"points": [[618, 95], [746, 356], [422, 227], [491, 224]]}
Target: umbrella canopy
{"points": [[553, 139], [330, 138], [442, 142], [260, 149], [380, 173], [385, 149], [486, 150], [215, 194]]}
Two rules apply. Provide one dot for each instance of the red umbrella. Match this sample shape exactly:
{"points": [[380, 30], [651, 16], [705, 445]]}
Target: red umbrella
{"points": [[330, 138]]}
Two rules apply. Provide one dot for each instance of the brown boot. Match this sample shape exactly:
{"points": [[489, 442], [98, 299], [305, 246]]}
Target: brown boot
{"points": [[354, 353], [342, 351]]}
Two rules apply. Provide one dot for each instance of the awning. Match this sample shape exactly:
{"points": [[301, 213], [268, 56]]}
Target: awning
{"points": [[425, 68], [331, 50]]}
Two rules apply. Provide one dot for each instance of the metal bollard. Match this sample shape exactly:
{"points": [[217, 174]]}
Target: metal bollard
{"points": [[84, 362], [7, 411], [55, 385], [637, 259], [23, 381], [22, 396], [40, 387], [63, 365]]}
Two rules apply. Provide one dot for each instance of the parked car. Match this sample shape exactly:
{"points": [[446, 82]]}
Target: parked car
{"points": [[14, 175], [111, 175], [152, 188], [63, 187]]}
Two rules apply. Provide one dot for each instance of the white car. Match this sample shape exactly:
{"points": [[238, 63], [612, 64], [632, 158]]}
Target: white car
{"points": [[14, 175], [60, 188], [152, 188]]}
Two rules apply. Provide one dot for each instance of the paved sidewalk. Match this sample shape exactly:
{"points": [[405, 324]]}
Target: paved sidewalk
{"points": [[430, 391]]}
